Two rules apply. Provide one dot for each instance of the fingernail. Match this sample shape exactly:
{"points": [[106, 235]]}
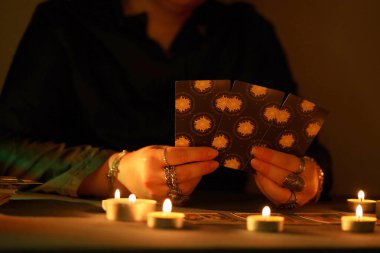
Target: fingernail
{"points": [[213, 153], [257, 150], [253, 163], [214, 164]]}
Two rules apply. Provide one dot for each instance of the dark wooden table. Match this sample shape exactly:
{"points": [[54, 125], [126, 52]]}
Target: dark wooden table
{"points": [[38, 222]]}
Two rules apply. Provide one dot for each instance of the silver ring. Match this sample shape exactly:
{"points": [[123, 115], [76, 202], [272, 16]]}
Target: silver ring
{"points": [[167, 173], [166, 164], [294, 182], [174, 193], [291, 203], [302, 166]]}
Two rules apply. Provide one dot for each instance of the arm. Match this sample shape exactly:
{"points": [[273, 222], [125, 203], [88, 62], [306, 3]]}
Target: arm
{"points": [[34, 103]]}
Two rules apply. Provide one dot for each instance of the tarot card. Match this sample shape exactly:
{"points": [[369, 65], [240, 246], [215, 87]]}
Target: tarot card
{"points": [[13, 182], [196, 120], [295, 125], [211, 218], [244, 122], [289, 219], [9, 186], [325, 218]]}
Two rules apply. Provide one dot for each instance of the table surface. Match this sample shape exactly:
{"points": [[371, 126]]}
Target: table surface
{"points": [[41, 222]]}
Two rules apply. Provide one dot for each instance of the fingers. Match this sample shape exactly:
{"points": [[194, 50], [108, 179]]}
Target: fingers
{"points": [[277, 158], [188, 187], [270, 171], [271, 190], [190, 171], [181, 155]]}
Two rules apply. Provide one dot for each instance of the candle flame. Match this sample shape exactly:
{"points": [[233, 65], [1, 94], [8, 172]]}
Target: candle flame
{"points": [[132, 198], [359, 212], [266, 211], [167, 206], [117, 194], [361, 195]]}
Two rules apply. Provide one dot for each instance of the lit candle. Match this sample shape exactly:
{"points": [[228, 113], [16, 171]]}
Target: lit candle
{"points": [[265, 222], [358, 223], [166, 218], [368, 205], [128, 209]]}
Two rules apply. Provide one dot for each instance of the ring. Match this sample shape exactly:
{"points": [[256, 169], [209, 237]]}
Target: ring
{"points": [[294, 182], [302, 166], [164, 157], [174, 193], [291, 203]]}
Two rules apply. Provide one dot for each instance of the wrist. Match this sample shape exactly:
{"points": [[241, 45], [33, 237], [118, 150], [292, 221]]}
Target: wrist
{"points": [[113, 171], [320, 177]]}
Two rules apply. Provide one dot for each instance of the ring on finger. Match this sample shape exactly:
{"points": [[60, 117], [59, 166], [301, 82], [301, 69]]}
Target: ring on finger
{"points": [[174, 193], [291, 203], [294, 182], [301, 167], [164, 159]]}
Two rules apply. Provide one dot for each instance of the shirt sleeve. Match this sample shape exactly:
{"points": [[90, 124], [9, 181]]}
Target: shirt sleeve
{"points": [[60, 168], [34, 102]]}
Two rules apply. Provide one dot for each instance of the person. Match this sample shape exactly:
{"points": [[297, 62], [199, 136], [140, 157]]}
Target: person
{"points": [[93, 77]]}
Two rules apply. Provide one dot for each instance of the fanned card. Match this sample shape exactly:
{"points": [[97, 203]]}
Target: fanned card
{"points": [[208, 113], [295, 125], [196, 118], [244, 122]]}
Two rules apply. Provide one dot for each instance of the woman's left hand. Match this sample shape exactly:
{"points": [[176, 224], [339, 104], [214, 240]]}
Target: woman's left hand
{"points": [[278, 171]]}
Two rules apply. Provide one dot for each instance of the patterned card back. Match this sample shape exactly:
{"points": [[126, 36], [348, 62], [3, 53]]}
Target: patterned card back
{"points": [[296, 124], [243, 123], [208, 113], [196, 120]]}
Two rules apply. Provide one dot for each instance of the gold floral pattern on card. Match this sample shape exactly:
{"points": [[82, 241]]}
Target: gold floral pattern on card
{"points": [[220, 141], [245, 127], [270, 113], [287, 140], [258, 91], [235, 104], [203, 124], [282, 116], [312, 129], [307, 106], [183, 104], [220, 102], [233, 162], [202, 86], [183, 141]]}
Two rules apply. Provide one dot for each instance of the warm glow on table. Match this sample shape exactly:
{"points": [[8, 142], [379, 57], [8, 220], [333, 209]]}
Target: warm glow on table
{"points": [[127, 209], [265, 222], [358, 223], [368, 205], [166, 219]]}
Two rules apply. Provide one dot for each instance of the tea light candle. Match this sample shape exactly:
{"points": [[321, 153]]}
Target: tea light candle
{"points": [[128, 209], [265, 222], [368, 205], [358, 223], [166, 219]]}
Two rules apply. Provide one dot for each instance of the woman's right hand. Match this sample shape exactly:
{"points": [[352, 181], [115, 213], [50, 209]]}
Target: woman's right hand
{"points": [[142, 171]]}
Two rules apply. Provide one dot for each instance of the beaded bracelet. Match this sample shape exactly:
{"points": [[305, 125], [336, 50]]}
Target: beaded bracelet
{"points": [[114, 171]]}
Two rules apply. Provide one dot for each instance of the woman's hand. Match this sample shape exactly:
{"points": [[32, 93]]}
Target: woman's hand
{"points": [[273, 167], [142, 171]]}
